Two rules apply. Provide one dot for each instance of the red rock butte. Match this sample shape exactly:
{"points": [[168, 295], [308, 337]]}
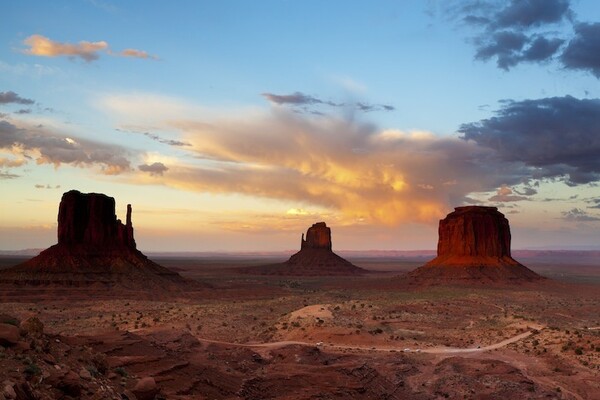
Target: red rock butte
{"points": [[474, 244], [94, 247], [315, 258]]}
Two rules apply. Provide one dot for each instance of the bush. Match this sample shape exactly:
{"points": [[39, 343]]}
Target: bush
{"points": [[32, 369], [121, 371]]}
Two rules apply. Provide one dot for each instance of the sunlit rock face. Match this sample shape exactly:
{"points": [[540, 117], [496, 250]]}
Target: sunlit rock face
{"points": [[474, 231], [474, 244]]}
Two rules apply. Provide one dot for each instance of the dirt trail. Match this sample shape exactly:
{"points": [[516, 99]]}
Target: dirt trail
{"points": [[435, 350], [445, 350]]}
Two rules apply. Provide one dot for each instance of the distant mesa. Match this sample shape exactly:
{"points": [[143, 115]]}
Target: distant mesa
{"points": [[474, 245], [94, 248], [315, 258]]}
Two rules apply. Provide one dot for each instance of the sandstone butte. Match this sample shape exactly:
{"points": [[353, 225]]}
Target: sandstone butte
{"points": [[474, 245], [94, 247], [315, 258]]}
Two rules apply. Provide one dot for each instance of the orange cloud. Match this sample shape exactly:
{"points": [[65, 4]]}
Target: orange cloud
{"points": [[343, 167], [137, 54], [42, 46], [88, 51]]}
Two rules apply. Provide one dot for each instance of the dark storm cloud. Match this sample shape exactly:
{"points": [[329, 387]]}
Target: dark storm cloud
{"points": [[57, 149], [558, 136], [299, 99], [154, 169], [532, 13], [511, 32], [12, 97], [583, 51], [578, 215]]}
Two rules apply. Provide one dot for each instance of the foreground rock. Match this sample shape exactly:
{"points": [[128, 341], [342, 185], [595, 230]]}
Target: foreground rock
{"points": [[94, 248], [315, 258], [474, 245]]}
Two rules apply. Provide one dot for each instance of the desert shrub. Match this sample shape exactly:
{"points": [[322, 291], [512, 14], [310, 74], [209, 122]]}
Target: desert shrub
{"points": [[32, 369], [7, 319], [579, 351], [121, 371], [99, 363]]}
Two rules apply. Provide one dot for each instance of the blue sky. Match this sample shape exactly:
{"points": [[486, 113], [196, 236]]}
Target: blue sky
{"points": [[235, 125]]}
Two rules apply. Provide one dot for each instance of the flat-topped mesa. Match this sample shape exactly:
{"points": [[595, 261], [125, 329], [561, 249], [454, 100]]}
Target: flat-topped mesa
{"points": [[474, 231], [474, 246], [318, 236], [89, 219]]}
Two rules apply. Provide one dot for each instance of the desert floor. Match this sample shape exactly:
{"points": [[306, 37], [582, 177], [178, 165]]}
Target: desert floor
{"points": [[369, 337]]}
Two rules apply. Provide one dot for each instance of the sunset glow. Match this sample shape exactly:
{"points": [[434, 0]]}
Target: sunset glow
{"points": [[229, 134]]}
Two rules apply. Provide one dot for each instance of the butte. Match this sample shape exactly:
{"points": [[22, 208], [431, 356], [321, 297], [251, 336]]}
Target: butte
{"points": [[315, 258], [94, 249], [474, 246]]}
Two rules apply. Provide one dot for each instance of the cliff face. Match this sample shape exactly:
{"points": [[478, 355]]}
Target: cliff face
{"points": [[474, 231], [89, 219], [318, 236]]}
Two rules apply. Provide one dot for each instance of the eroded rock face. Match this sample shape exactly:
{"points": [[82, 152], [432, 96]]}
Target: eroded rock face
{"points": [[94, 249], [315, 258], [318, 236], [474, 231], [89, 219], [474, 246]]}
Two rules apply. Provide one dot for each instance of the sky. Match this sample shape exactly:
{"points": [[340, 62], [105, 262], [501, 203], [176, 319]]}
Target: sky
{"points": [[235, 125]]}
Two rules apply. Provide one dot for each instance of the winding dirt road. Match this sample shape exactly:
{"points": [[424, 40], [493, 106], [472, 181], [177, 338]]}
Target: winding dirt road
{"points": [[434, 350]]}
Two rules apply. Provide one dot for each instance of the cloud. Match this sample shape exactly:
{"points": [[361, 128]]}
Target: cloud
{"points": [[38, 186], [350, 167], [558, 136], [513, 32], [583, 51], [23, 111], [7, 175], [154, 169], [8, 163], [578, 215], [88, 51], [156, 138], [531, 13], [42, 46], [527, 191], [48, 147], [595, 202], [12, 97], [505, 194], [137, 54], [299, 99]]}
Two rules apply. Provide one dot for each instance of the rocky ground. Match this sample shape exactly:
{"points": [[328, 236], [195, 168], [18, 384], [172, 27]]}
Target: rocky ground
{"points": [[261, 337]]}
